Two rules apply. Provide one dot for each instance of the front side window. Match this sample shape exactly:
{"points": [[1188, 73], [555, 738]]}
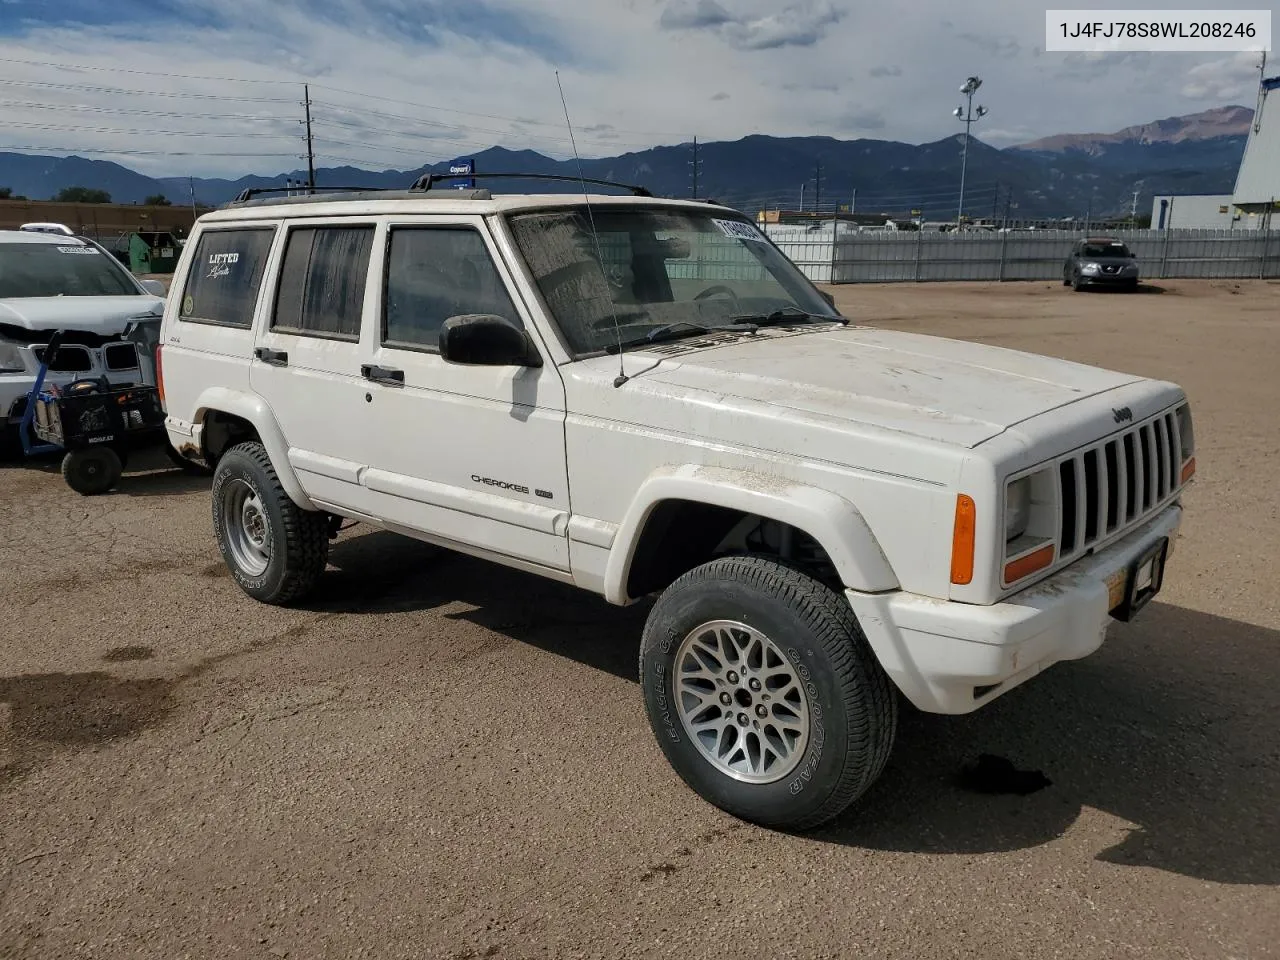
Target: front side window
{"points": [[73, 269], [225, 274], [434, 273], [322, 282], [644, 269]]}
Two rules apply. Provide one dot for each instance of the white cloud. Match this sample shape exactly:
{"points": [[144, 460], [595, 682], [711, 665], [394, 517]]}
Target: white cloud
{"points": [[1230, 78], [720, 69]]}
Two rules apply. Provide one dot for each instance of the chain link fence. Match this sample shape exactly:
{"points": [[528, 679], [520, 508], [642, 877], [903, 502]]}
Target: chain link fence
{"points": [[921, 256]]}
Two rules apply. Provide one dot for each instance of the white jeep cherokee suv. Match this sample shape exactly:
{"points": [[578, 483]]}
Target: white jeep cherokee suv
{"points": [[644, 397]]}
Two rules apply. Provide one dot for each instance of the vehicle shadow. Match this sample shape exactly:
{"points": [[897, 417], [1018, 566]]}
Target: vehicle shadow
{"points": [[384, 573], [1171, 727]]}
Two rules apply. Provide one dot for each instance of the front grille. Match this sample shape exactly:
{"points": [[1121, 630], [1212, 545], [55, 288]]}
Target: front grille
{"points": [[1117, 483]]}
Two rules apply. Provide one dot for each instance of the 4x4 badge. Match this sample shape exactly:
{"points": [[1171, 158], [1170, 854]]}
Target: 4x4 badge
{"points": [[1122, 414]]}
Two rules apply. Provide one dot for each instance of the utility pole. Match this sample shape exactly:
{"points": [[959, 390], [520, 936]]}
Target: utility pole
{"points": [[696, 164], [817, 187], [802, 186], [1133, 210], [853, 202], [311, 154], [191, 185]]}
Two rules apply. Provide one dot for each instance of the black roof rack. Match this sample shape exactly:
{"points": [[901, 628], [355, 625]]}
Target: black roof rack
{"points": [[428, 180], [250, 192]]}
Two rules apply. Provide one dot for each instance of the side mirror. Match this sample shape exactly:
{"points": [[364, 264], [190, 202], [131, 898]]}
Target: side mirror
{"points": [[829, 297], [154, 287], [483, 339]]}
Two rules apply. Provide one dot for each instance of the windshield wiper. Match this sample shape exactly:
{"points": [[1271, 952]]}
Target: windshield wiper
{"points": [[787, 315], [678, 330]]}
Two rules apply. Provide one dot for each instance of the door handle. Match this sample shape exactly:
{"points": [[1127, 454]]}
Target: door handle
{"points": [[277, 358], [384, 375]]}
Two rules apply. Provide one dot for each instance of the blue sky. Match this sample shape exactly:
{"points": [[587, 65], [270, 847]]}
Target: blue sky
{"points": [[401, 82]]}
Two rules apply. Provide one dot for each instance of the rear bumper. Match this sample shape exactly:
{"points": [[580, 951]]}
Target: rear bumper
{"points": [[953, 658]]}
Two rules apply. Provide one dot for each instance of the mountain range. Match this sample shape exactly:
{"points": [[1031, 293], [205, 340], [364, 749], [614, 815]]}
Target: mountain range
{"points": [[1062, 175]]}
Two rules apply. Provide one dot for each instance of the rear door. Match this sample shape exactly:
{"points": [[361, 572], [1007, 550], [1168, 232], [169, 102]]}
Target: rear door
{"points": [[306, 359], [470, 454]]}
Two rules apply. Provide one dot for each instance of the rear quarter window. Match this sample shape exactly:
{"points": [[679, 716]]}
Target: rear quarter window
{"points": [[225, 276]]}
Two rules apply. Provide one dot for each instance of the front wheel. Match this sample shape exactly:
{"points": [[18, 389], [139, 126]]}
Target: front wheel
{"points": [[275, 550], [763, 692]]}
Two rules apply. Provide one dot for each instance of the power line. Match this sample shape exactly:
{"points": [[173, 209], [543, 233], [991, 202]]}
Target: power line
{"points": [[132, 112], [67, 128], [89, 88], [144, 73], [140, 153]]}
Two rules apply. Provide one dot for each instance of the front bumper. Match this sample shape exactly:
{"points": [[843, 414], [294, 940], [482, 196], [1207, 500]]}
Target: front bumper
{"points": [[949, 657], [1108, 279]]}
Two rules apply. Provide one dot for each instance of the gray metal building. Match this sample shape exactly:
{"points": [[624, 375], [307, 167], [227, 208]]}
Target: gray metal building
{"points": [[1258, 182], [1198, 212]]}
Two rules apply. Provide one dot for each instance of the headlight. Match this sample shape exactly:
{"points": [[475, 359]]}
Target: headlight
{"points": [[1088, 268], [1017, 508], [11, 358], [1186, 433]]}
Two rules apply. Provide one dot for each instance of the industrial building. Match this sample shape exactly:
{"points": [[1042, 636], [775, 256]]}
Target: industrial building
{"points": [[1253, 202], [1214, 211], [1258, 182]]}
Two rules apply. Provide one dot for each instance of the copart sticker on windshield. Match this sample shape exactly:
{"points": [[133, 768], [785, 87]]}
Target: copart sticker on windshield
{"points": [[80, 250], [739, 230]]}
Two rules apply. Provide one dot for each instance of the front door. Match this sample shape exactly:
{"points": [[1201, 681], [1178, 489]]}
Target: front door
{"points": [[469, 454], [306, 362]]}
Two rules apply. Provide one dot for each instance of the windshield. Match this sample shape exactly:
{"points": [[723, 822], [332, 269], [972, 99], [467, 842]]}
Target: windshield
{"points": [[657, 267], [54, 270], [1106, 250]]}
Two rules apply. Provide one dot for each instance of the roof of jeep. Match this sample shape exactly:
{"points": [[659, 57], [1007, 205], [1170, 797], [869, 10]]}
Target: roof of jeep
{"points": [[424, 202], [32, 236]]}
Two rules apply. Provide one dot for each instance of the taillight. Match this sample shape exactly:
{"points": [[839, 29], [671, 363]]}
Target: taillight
{"points": [[159, 373]]}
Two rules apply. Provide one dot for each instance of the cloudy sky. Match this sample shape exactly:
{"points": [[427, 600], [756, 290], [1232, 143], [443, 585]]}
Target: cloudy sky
{"points": [[398, 83]]}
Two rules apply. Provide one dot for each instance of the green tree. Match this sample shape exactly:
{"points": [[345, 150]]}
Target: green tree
{"points": [[6, 193], [157, 200], [82, 195]]}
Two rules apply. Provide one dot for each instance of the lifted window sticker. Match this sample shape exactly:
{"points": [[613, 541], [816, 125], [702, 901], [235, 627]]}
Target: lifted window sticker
{"points": [[90, 251], [220, 265], [739, 230]]}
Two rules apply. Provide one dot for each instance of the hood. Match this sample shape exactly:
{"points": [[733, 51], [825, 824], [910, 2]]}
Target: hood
{"points": [[101, 316], [951, 391]]}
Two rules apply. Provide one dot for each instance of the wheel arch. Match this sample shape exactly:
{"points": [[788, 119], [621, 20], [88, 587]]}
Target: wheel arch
{"points": [[831, 521], [219, 406]]}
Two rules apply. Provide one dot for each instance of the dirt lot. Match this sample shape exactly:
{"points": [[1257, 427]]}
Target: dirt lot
{"points": [[443, 758]]}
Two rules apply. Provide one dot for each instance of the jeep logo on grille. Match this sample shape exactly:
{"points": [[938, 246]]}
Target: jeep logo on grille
{"points": [[1122, 414]]}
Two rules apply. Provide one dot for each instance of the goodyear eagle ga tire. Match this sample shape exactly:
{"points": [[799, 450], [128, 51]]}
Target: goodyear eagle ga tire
{"points": [[763, 692], [275, 550]]}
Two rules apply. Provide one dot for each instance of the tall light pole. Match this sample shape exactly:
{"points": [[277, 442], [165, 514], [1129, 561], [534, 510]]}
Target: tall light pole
{"points": [[968, 118]]}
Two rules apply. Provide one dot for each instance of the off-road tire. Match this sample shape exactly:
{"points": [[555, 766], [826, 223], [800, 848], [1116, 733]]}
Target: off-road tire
{"points": [[299, 540], [853, 726], [90, 471]]}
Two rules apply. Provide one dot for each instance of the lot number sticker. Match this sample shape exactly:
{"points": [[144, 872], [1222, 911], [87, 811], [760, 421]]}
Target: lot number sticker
{"points": [[739, 230], [82, 251]]}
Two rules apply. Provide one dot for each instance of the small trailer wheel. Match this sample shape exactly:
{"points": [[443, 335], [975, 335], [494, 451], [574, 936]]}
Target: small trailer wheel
{"points": [[92, 470]]}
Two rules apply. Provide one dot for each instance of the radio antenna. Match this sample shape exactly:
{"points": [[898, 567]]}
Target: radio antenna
{"points": [[595, 237]]}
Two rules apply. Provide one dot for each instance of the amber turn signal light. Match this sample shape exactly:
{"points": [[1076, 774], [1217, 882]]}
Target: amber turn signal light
{"points": [[1024, 567], [1188, 469], [962, 540]]}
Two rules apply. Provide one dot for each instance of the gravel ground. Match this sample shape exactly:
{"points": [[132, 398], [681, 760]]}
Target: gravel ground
{"points": [[442, 758]]}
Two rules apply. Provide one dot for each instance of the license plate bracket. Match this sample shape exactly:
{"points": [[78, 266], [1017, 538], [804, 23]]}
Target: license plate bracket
{"points": [[1144, 580]]}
